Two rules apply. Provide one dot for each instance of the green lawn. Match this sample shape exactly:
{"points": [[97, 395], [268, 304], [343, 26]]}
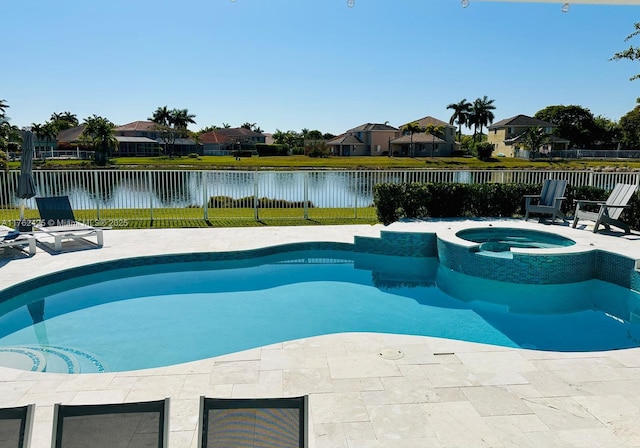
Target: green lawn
{"points": [[351, 163]]}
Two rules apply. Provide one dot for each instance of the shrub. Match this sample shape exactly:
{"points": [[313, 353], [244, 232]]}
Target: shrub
{"points": [[271, 150]]}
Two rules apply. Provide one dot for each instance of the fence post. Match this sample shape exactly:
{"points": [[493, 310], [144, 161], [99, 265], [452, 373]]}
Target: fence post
{"points": [[150, 181], [305, 198], [96, 179], [205, 199], [256, 215], [355, 195]]}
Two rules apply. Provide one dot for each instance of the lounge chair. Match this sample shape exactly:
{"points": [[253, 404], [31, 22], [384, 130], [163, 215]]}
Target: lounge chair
{"points": [[134, 425], [15, 426], [57, 220], [549, 201], [14, 239], [260, 422], [609, 211]]}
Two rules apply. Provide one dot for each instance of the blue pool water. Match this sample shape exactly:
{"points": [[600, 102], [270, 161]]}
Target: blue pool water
{"points": [[161, 314], [499, 239]]}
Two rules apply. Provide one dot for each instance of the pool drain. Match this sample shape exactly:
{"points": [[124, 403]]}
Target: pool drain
{"points": [[390, 353]]}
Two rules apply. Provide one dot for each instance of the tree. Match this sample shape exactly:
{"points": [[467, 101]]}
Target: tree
{"points": [[64, 120], [290, 139], [607, 133], [630, 127], [47, 132], [574, 123], [533, 139], [632, 53], [171, 124], [181, 119], [461, 111], [98, 132], [481, 114], [434, 131], [411, 128], [3, 108]]}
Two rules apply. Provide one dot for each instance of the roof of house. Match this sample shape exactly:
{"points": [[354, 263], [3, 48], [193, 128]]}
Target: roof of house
{"points": [[373, 127], [125, 139], [550, 138], [345, 139], [419, 137], [520, 121], [137, 126], [71, 134], [426, 121], [215, 137], [238, 132]]}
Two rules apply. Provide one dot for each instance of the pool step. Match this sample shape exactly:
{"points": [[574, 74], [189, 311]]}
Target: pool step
{"points": [[51, 359]]}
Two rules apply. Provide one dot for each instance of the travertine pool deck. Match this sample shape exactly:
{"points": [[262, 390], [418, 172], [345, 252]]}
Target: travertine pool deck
{"points": [[442, 393]]}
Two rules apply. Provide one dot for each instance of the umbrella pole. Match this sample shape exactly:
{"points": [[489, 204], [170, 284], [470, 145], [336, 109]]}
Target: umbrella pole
{"points": [[21, 211]]}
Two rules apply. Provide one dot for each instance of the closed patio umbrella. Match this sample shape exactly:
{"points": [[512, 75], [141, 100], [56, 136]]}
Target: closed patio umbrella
{"points": [[26, 184]]}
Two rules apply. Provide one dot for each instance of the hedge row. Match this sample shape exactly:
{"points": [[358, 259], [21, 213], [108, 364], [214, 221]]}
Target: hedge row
{"points": [[451, 200]]}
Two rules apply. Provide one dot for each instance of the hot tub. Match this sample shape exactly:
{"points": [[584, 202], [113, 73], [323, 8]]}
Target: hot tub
{"points": [[503, 239]]}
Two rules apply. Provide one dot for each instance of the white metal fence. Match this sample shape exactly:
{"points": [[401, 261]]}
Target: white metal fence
{"points": [[164, 194]]}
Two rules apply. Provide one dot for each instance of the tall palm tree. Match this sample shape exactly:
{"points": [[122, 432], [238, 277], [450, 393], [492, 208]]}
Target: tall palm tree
{"points": [[64, 120], [411, 128], [481, 114], [460, 115], [98, 132], [181, 119], [161, 116]]}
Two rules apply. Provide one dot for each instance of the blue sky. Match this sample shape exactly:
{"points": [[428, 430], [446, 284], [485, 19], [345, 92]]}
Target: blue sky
{"points": [[316, 64]]}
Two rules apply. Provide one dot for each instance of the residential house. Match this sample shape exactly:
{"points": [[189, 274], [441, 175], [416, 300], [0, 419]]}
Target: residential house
{"points": [[145, 138], [370, 139], [506, 135], [422, 144], [225, 140]]}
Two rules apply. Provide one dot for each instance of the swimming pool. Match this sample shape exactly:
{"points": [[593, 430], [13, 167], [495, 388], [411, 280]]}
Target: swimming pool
{"points": [[150, 312]]}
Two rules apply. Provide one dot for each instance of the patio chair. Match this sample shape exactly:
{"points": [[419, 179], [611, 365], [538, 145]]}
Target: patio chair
{"points": [[609, 211], [134, 425], [15, 426], [260, 422], [13, 239], [58, 221], [549, 201]]}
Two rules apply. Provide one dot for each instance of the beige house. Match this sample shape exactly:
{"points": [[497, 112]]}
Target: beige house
{"points": [[370, 139], [422, 144], [506, 134]]}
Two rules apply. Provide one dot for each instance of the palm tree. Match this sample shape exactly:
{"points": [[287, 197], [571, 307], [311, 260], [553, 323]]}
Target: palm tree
{"points": [[434, 131], [533, 139], [161, 116], [3, 108], [181, 119], [98, 132], [411, 128], [64, 120], [481, 114], [460, 115]]}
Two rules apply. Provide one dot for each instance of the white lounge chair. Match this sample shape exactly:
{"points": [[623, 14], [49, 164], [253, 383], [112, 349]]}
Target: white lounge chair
{"points": [[58, 221], [609, 211], [549, 201], [14, 239]]}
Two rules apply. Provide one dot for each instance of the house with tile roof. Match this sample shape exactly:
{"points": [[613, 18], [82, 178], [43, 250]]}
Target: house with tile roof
{"points": [[506, 135], [423, 144], [369, 139], [145, 138], [224, 141]]}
